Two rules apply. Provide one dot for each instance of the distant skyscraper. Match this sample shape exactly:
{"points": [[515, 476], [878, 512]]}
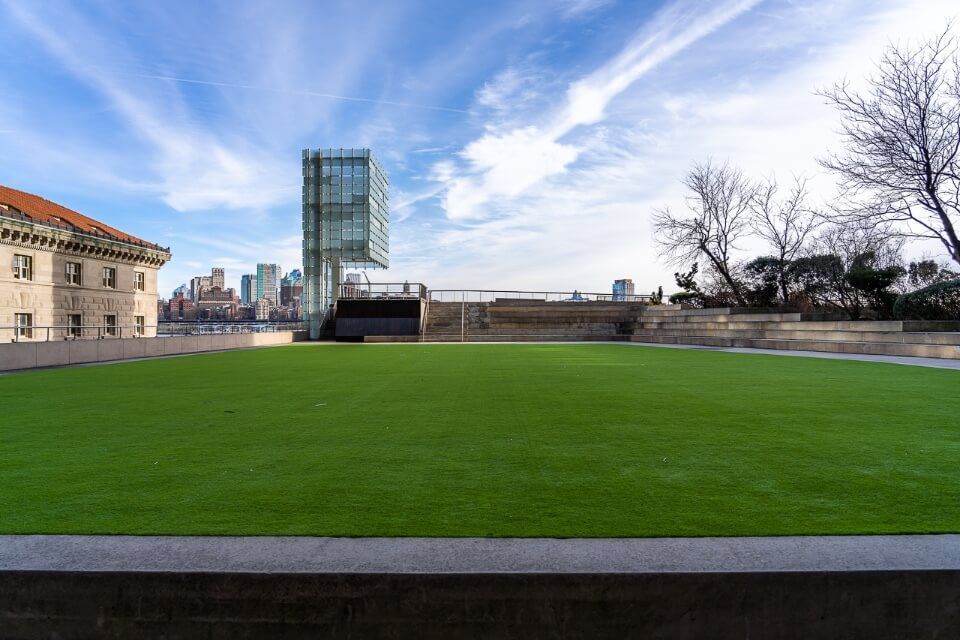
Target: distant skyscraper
{"points": [[268, 281], [292, 278], [181, 290], [248, 288], [198, 284], [216, 277], [623, 289]]}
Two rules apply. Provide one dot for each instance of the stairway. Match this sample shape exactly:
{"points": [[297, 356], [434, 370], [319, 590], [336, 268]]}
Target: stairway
{"points": [[745, 328], [538, 321]]}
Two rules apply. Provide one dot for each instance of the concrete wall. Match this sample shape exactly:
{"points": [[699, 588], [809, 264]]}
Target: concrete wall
{"points": [[29, 355], [736, 605]]}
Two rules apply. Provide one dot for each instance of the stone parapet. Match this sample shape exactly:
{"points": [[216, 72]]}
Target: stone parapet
{"points": [[31, 355]]}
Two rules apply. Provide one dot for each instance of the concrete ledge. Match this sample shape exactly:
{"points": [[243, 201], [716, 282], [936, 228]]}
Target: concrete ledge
{"points": [[21, 355], [477, 555], [766, 588], [29, 355]]}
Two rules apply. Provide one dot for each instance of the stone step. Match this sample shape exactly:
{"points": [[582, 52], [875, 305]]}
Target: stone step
{"points": [[842, 336], [512, 337], [870, 348], [724, 317], [833, 325], [590, 327]]}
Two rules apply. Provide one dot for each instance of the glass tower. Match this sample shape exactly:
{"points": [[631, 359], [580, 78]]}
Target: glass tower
{"points": [[345, 223], [268, 281]]}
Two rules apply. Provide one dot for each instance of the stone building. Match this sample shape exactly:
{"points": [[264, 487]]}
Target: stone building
{"points": [[180, 307], [81, 277], [216, 303]]}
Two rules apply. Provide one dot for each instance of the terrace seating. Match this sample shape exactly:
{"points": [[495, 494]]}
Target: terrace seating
{"points": [[532, 320], [673, 324]]}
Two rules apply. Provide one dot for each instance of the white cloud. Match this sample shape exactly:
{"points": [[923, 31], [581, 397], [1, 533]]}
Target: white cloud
{"points": [[577, 8], [197, 169], [588, 223], [507, 164]]}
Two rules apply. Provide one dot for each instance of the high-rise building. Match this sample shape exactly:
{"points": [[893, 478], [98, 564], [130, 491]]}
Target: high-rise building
{"points": [[623, 289], [180, 307], [262, 309], [345, 223], [268, 281], [248, 288], [217, 303], [291, 289], [181, 290], [198, 284], [216, 278]]}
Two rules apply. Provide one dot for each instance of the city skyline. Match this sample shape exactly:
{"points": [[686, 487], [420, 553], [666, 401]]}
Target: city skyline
{"points": [[534, 165]]}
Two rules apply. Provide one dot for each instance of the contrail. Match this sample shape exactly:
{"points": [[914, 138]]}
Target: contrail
{"points": [[313, 94]]}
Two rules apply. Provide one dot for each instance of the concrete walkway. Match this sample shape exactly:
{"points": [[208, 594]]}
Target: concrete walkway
{"points": [[936, 363], [477, 555]]}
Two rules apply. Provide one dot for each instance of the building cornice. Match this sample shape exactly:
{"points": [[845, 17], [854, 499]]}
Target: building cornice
{"points": [[21, 233]]}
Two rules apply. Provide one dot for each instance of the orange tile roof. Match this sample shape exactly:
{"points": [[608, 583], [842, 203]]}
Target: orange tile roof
{"points": [[43, 211]]}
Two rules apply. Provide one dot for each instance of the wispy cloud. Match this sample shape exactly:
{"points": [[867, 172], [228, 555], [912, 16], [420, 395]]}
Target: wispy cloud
{"points": [[505, 164], [197, 170], [307, 94]]}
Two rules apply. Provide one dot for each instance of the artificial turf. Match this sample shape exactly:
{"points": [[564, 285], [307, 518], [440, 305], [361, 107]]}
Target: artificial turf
{"points": [[481, 440]]}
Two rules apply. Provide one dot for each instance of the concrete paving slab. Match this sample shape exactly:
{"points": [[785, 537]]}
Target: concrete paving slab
{"points": [[937, 363], [478, 555]]}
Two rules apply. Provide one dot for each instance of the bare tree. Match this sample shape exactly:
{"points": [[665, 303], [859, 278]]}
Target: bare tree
{"points": [[844, 249], [718, 216], [785, 223], [902, 137]]}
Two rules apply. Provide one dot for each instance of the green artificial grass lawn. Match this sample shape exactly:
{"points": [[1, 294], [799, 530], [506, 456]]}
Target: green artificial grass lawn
{"points": [[481, 440]]}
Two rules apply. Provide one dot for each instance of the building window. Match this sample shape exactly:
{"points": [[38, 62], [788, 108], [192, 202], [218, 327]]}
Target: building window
{"points": [[24, 323], [74, 325], [139, 280], [73, 273], [109, 277], [138, 326], [110, 325], [22, 267]]}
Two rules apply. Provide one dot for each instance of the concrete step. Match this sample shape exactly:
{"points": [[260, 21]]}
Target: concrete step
{"points": [[847, 325], [872, 348], [842, 336], [723, 317]]}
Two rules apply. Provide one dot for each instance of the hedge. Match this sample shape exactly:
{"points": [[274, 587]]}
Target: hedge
{"points": [[940, 301]]}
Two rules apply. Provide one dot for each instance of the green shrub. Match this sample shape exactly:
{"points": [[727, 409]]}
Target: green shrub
{"points": [[939, 301], [692, 298]]}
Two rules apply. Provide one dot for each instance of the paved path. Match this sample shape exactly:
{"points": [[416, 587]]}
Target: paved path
{"points": [[478, 555], [937, 363]]}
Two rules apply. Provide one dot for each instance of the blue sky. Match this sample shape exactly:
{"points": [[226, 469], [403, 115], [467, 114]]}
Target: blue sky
{"points": [[526, 141]]}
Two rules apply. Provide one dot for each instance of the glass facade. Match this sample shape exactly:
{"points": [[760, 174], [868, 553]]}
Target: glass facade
{"points": [[345, 222]]}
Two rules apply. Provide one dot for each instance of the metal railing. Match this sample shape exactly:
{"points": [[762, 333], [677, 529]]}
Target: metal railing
{"points": [[485, 295], [49, 333], [187, 328], [414, 290], [383, 291]]}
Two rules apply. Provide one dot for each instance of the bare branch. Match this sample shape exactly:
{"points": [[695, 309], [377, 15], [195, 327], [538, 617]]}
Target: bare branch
{"points": [[900, 166], [719, 205]]}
